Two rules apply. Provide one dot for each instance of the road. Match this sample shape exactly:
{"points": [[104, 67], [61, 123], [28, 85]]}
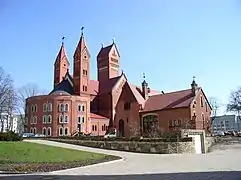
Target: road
{"points": [[222, 163]]}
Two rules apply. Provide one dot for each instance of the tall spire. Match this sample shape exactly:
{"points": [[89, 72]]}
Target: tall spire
{"points": [[81, 45], [62, 53]]}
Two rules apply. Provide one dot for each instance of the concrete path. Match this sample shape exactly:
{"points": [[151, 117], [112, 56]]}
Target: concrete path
{"points": [[223, 163], [226, 159]]}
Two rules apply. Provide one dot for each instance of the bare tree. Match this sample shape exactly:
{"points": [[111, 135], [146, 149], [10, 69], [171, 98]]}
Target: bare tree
{"points": [[215, 105], [23, 93], [7, 98], [234, 104]]}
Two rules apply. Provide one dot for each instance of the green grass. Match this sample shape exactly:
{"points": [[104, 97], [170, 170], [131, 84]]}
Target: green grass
{"points": [[24, 152]]}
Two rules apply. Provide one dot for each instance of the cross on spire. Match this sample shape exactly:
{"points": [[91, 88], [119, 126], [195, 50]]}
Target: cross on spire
{"points": [[63, 40], [113, 40], [144, 76], [193, 78], [82, 30]]}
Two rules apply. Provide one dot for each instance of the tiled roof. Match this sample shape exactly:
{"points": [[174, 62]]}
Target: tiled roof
{"points": [[97, 116], [169, 100], [61, 55], [104, 51], [64, 88]]}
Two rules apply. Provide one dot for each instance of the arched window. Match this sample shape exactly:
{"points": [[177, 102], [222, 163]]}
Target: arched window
{"points": [[79, 107], [66, 119], [104, 127], [93, 128], [44, 131], [61, 107], [66, 107], [34, 130], [31, 130], [44, 119], [35, 107], [150, 124], [49, 131], [79, 119], [61, 119], [45, 108], [66, 131], [49, 119], [83, 119], [61, 131], [35, 118], [32, 108], [50, 107], [83, 108]]}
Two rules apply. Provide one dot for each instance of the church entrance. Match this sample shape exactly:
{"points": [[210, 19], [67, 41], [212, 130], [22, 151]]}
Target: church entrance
{"points": [[121, 128]]}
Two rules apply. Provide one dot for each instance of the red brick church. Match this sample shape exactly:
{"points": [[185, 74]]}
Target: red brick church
{"points": [[79, 104]]}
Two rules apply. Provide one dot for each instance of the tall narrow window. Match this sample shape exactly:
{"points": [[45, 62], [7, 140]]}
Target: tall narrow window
{"points": [[49, 119], [50, 107], [60, 131], [61, 119], [201, 101], [93, 128], [61, 107], [66, 131], [44, 119], [83, 119], [66, 119], [66, 107], [83, 107], [79, 119], [206, 106], [44, 107], [49, 131], [44, 131]]}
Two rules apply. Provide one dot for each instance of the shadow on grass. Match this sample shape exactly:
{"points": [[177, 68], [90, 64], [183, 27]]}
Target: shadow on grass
{"points": [[224, 175]]}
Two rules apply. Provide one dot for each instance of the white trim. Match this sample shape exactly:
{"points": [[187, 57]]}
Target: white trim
{"points": [[66, 109], [65, 119], [44, 119], [103, 68], [61, 118], [67, 131], [49, 119], [50, 107], [44, 128]]}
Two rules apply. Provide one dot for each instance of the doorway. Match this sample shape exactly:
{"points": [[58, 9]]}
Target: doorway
{"points": [[121, 128]]}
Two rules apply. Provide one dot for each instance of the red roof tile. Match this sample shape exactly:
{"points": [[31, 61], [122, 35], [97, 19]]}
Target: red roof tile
{"points": [[97, 116], [169, 100], [104, 51], [61, 55]]}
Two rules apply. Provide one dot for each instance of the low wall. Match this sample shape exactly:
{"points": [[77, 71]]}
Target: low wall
{"points": [[135, 146]]}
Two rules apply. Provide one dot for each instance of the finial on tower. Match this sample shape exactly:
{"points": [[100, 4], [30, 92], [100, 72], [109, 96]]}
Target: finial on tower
{"points": [[82, 30], [63, 40], [113, 41], [193, 78], [144, 76], [102, 45]]}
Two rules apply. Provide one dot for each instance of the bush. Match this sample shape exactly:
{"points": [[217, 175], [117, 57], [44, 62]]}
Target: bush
{"points": [[10, 136]]}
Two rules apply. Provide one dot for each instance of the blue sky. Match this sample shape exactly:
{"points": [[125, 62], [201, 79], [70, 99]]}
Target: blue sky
{"points": [[169, 40]]}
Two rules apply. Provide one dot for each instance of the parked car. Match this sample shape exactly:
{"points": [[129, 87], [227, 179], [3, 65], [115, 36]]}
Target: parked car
{"points": [[39, 135], [218, 133], [27, 135], [111, 135]]}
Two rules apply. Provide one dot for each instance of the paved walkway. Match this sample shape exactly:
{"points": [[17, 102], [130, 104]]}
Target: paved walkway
{"points": [[168, 167]]}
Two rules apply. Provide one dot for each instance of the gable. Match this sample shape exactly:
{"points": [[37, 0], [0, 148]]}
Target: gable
{"points": [[200, 92]]}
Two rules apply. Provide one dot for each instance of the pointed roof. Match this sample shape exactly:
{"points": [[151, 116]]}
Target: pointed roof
{"points": [[81, 46], [104, 51], [61, 55]]}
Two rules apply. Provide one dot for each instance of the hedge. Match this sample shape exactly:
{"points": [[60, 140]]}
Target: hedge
{"points": [[10, 136]]}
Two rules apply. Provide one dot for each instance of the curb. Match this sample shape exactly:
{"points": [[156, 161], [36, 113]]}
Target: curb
{"points": [[89, 166]]}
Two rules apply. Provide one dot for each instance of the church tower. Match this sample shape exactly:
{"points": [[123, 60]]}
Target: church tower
{"points": [[61, 65], [108, 62], [81, 72]]}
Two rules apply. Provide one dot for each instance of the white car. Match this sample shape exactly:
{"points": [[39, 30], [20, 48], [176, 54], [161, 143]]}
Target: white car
{"points": [[110, 135]]}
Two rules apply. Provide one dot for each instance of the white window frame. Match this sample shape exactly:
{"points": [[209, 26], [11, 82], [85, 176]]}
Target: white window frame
{"points": [[45, 108], [35, 120], [79, 119], [67, 131], [61, 134], [44, 119], [65, 119], [49, 128], [50, 107], [49, 119], [61, 107], [44, 128], [66, 109], [35, 130], [61, 118]]}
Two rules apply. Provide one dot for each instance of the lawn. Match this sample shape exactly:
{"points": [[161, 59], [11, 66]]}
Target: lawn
{"points": [[31, 157]]}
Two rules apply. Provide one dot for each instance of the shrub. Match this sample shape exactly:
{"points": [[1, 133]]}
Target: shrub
{"points": [[10, 136]]}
